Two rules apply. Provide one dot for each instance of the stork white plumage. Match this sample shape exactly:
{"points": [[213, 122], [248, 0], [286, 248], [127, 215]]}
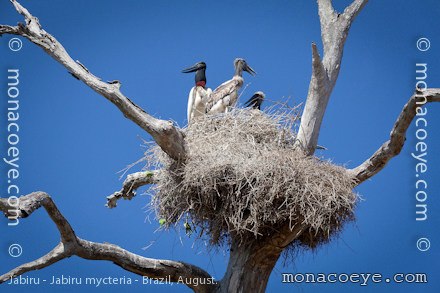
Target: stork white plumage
{"points": [[199, 94], [226, 95]]}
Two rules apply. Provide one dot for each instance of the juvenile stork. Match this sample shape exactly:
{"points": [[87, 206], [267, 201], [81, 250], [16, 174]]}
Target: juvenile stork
{"points": [[199, 94], [255, 101], [226, 95]]}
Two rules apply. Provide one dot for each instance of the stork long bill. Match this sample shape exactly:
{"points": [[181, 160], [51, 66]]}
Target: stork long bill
{"points": [[194, 68], [247, 68]]}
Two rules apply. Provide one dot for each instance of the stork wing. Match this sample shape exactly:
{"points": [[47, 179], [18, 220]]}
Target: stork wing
{"points": [[190, 104], [223, 90]]}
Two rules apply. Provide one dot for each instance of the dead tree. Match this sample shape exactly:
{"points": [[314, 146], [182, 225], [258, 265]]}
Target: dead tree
{"points": [[249, 265]]}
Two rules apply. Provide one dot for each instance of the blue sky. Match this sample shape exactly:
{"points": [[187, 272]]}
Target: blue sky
{"points": [[73, 141]]}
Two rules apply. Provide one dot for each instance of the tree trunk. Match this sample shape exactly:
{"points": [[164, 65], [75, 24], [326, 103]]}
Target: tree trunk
{"points": [[249, 267]]}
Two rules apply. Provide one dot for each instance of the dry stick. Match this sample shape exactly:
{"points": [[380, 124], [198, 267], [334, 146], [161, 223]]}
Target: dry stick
{"points": [[70, 245], [167, 136], [130, 185]]}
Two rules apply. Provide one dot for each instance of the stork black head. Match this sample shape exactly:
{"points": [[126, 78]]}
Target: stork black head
{"points": [[199, 68], [255, 101], [240, 65]]}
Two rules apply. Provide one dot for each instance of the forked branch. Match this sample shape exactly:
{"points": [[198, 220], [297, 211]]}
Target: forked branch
{"points": [[70, 245], [167, 136], [334, 32], [394, 145]]}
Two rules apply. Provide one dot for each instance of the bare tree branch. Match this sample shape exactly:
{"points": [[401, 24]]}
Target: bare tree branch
{"points": [[325, 8], [26, 205], [153, 268], [133, 182], [315, 107], [70, 245], [354, 8], [6, 29], [334, 32], [167, 136], [394, 145]]}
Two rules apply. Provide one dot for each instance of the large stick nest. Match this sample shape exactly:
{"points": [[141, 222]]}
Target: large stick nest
{"points": [[244, 178]]}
